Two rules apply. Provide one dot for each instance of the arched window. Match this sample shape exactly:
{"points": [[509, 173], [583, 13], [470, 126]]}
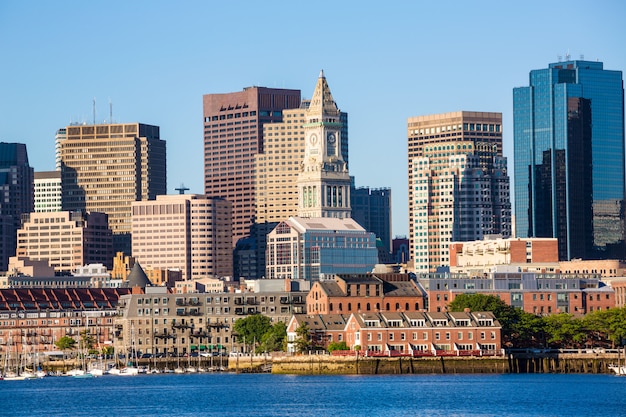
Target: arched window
{"points": [[417, 306], [387, 307], [397, 306], [349, 306], [358, 306], [330, 307], [368, 307], [340, 307], [378, 306], [406, 306]]}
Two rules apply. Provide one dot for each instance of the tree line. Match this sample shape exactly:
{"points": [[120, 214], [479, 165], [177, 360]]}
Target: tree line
{"points": [[520, 329]]}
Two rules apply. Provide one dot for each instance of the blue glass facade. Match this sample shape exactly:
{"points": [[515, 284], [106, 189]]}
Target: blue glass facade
{"points": [[569, 159]]}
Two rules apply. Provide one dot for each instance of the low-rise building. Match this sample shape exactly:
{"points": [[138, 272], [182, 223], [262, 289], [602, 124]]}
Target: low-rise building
{"points": [[537, 293], [160, 322], [403, 333], [356, 293], [31, 320]]}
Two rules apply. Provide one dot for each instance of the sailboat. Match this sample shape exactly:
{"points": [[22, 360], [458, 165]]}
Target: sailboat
{"points": [[10, 373], [131, 368]]}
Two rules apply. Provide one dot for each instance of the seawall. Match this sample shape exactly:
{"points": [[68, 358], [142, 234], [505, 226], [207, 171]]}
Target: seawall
{"points": [[351, 365]]}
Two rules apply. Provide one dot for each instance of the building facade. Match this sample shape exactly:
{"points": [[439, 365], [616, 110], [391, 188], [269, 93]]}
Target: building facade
{"points": [[371, 208], [32, 319], [569, 159], [105, 168], [48, 191], [323, 181], [415, 334], [484, 255], [67, 240], [345, 294], [309, 248], [537, 293], [233, 136], [188, 232], [458, 184], [16, 196], [173, 324]]}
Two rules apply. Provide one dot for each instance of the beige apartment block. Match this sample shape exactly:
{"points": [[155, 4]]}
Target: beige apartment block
{"points": [[66, 240], [188, 232], [458, 184], [106, 167]]}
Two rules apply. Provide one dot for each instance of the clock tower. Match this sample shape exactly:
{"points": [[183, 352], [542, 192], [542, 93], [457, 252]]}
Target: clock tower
{"points": [[323, 181]]}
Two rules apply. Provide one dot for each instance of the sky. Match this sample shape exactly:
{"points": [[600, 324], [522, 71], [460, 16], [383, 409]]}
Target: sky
{"points": [[384, 62]]}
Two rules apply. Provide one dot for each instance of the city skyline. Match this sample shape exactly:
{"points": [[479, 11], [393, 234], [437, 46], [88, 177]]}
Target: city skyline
{"points": [[154, 64]]}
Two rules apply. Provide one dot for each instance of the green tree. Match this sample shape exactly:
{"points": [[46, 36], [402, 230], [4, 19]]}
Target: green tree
{"points": [[303, 339], [507, 316], [251, 329], [273, 340], [65, 344], [564, 330], [337, 346], [608, 324], [86, 342]]}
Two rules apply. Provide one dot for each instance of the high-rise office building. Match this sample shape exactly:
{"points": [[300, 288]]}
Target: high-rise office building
{"points": [[105, 168], [569, 159], [371, 208], [188, 232], [16, 196], [458, 184], [323, 181], [48, 191], [67, 240], [233, 135]]}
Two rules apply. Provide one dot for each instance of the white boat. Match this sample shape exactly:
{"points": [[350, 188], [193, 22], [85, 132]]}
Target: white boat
{"points": [[179, 370], [191, 370], [129, 371], [96, 372], [618, 369]]}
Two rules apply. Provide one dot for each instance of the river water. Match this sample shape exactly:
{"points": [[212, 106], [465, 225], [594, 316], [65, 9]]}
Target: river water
{"points": [[225, 394]]}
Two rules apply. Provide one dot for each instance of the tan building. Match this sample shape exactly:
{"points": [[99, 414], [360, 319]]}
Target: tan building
{"points": [[482, 256], [106, 167], [278, 166], [458, 184], [67, 240], [188, 232]]}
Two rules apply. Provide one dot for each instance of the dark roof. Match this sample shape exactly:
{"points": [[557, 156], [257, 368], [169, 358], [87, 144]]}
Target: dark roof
{"points": [[137, 278]]}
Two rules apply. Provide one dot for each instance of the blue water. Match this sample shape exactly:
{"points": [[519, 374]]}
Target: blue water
{"points": [[280, 395]]}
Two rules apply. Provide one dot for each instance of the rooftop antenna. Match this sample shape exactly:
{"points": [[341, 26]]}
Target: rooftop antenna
{"points": [[181, 189], [94, 110], [567, 55], [110, 111]]}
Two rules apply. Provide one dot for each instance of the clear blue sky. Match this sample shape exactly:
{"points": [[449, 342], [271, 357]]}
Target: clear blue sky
{"points": [[384, 61]]}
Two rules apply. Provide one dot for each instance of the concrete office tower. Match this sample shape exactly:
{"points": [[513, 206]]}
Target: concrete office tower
{"points": [[67, 240], [569, 159], [458, 184], [323, 181], [188, 232], [233, 135], [48, 191], [16, 196], [105, 168]]}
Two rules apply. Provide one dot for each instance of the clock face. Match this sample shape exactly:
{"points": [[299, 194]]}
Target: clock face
{"points": [[331, 138], [313, 139]]}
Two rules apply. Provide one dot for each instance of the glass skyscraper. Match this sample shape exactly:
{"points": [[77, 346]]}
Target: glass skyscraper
{"points": [[569, 159]]}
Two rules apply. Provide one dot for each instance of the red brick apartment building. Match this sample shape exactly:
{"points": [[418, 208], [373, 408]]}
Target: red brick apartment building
{"points": [[31, 320], [406, 333], [346, 294]]}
